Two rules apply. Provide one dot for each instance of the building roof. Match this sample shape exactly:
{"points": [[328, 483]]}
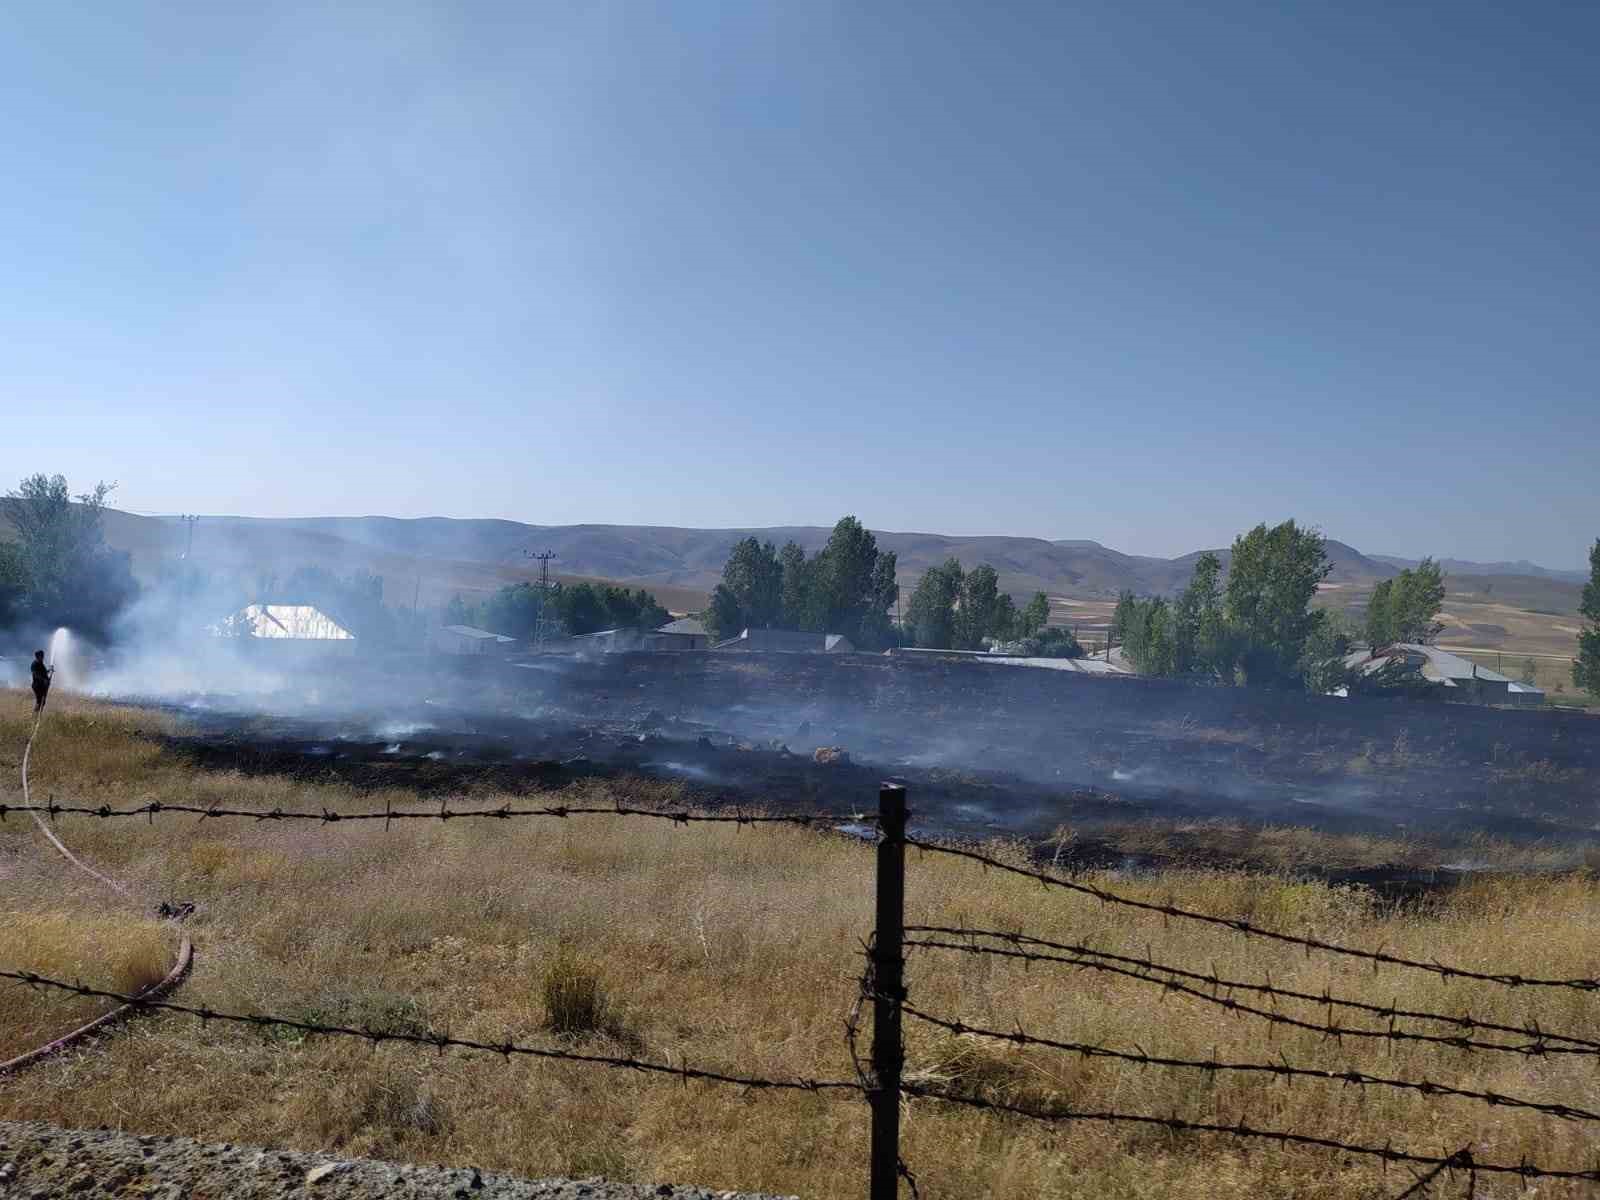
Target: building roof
{"points": [[468, 631], [792, 640], [1433, 664], [295, 622], [687, 625]]}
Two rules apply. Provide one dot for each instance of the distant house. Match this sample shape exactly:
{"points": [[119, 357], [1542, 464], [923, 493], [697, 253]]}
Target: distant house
{"points": [[787, 641], [285, 630], [464, 639], [686, 633], [1445, 676]]}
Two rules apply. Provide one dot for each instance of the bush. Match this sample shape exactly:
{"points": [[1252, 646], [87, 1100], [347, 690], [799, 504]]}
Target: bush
{"points": [[575, 1001]]}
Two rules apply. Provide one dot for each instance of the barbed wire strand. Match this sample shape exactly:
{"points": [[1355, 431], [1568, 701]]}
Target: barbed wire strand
{"points": [[443, 813], [1248, 929], [1327, 1029], [1524, 1169], [1420, 1186], [436, 1041], [1285, 1069], [1215, 981]]}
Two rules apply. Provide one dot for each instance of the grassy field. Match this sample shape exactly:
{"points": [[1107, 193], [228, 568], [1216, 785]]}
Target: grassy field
{"points": [[734, 950]]}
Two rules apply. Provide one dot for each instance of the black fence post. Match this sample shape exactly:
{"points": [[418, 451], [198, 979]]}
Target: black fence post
{"points": [[888, 975]]}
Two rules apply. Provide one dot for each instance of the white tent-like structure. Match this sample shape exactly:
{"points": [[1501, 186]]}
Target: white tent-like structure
{"points": [[300, 625]]}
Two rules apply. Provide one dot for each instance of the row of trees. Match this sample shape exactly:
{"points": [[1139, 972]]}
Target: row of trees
{"points": [[1586, 667], [952, 609], [846, 587], [1258, 629], [514, 611], [58, 570]]}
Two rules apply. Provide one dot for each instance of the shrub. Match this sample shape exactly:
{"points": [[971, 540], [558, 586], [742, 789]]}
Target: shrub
{"points": [[575, 1001]]}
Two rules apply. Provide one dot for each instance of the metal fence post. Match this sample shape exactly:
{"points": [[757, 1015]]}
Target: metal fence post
{"points": [[888, 974]]}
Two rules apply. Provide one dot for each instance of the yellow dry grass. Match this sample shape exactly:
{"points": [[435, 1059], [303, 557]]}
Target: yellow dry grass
{"points": [[738, 950], [128, 952]]}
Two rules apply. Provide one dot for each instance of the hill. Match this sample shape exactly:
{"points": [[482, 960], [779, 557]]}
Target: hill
{"points": [[1463, 566], [476, 554], [433, 558]]}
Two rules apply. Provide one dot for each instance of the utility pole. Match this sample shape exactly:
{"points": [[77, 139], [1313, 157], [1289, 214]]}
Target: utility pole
{"points": [[542, 624]]}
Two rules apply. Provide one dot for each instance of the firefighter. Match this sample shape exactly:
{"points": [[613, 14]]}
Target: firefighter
{"points": [[41, 680]]}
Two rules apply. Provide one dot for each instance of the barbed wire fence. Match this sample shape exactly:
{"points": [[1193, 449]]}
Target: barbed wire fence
{"points": [[880, 1076]]}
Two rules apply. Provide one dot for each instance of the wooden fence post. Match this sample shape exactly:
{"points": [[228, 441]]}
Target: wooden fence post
{"points": [[888, 974]]}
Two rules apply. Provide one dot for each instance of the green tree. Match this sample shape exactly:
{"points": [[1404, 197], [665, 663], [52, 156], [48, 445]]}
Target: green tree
{"points": [[69, 576], [1402, 609], [1272, 580], [1007, 620], [1199, 630], [1035, 615], [13, 583], [592, 607], [931, 614], [1322, 665], [980, 598], [1053, 642], [844, 581], [755, 578], [797, 588], [1150, 638], [1586, 667], [1530, 671], [723, 617], [877, 630], [1122, 617]]}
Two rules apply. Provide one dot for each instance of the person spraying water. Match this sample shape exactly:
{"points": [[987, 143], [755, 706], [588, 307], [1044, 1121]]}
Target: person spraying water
{"points": [[41, 681]]}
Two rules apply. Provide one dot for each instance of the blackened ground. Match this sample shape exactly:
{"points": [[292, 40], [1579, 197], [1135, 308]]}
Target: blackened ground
{"points": [[984, 748]]}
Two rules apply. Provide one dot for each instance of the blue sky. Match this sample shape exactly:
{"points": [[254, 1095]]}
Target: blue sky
{"points": [[1141, 273]]}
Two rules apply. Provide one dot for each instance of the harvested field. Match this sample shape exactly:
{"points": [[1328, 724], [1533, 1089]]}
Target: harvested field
{"points": [[738, 949]]}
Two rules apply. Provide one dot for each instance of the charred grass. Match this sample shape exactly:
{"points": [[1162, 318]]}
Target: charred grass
{"points": [[736, 950]]}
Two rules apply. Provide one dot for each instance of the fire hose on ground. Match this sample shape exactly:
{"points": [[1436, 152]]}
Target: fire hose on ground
{"points": [[174, 977]]}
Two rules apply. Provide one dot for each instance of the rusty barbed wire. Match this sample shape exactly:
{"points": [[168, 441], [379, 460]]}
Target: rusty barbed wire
{"points": [[1387, 1153], [1327, 1029], [1215, 981], [444, 813], [1238, 925], [440, 1041], [1462, 1158], [1283, 1069]]}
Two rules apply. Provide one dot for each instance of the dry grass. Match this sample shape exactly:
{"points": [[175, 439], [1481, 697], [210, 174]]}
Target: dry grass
{"points": [[130, 952], [738, 949]]}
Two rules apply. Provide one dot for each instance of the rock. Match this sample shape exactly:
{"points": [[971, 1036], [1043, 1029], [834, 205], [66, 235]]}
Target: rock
{"points": [[828, 756], [325, 1171]]}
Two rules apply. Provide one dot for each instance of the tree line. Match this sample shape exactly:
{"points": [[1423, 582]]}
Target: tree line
{"points": [[952, 609], [847, 587], [514, 611], [1260, 629]]}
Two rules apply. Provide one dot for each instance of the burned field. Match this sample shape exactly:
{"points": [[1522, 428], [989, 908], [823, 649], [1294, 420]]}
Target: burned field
{"points": [[987, 750]]}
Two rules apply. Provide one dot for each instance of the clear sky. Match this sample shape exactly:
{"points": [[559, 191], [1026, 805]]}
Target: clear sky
{"points": [[1144, 273]]}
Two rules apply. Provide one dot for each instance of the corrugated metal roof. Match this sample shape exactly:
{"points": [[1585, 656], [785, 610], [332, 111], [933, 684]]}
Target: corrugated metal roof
{"points": [[469, 631], [296, 622], [687, 625]]}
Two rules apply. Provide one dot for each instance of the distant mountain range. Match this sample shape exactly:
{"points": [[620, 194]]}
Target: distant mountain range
{"points": [[433, 557], [1461, 566]]}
